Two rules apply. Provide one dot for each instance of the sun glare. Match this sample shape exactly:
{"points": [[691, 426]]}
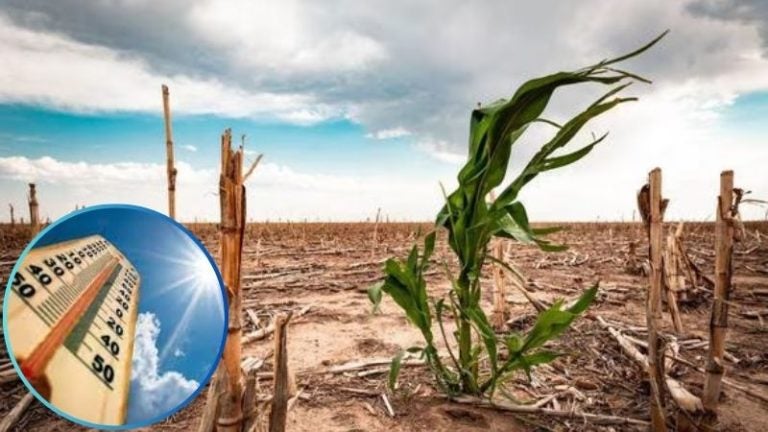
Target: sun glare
{"points": [[195, 282]]}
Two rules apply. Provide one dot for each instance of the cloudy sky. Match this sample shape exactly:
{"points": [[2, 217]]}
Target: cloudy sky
{"points": [[359, 105]]}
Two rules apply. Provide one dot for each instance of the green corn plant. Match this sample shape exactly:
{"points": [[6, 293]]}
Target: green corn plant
{"points": [[471, 222]]}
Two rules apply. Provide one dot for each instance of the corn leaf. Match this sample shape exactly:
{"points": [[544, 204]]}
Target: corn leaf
{"points": [[471, 223], [394, 370], [375, 295]]}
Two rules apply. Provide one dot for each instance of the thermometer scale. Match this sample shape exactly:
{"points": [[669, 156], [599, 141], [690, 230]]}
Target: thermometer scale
{"points": [[72, 316]]}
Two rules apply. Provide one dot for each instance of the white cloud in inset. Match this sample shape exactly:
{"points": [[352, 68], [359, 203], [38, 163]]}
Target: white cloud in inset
{"points": [[153, 392], [189, 148]]}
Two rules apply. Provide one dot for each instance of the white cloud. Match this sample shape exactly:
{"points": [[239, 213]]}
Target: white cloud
{"points": [[179, 353], [275, 191], [384, 134], [441, 150], [153, 392], [31, 139], [304, 62], [189, 148], [49, 170], [279, 36], [54, 70]]}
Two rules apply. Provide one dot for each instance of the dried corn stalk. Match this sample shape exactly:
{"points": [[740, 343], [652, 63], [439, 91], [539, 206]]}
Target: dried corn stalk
{"points": [[232, 200], [225, 404], [673, 277], [169, 154], [34, 217], [652, 208], [725, 232]]}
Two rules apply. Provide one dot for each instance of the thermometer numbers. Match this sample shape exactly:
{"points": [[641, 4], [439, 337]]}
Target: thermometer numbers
{"points": [[22, 287], [122, 303], [126, 293], [111, 345], [51, 263], [75, 257], [117, 328], [39, 274], [65, 261], [102, 368]]}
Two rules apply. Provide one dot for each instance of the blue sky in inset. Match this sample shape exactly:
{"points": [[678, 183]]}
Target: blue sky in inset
{"points": [[178, 287]]}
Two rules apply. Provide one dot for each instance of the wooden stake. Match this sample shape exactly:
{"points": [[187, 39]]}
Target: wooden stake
{"points": [[13, 219], [232, 199], [34, 217], [718, 324], [652, 209], [169, 154], [282, 390]]}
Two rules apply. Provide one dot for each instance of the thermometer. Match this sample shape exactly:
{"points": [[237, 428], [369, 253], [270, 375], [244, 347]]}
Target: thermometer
{"points": [[71, 321]]}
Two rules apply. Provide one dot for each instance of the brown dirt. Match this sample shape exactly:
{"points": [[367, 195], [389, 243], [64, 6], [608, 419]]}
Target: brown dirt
{"points": [[328, 266]]}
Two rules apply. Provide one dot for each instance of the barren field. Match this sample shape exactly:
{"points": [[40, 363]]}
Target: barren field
{"points": [[327, 267]]}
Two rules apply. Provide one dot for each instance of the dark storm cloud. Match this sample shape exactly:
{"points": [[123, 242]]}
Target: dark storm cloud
{"points": [[155, 31], [753, 12], [423, 65]]}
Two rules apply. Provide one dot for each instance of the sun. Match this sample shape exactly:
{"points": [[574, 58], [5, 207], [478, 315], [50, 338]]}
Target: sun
{"points": [[195, 280], [204, 274]]}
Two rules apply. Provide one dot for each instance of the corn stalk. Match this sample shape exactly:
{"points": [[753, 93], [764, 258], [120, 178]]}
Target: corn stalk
{"points": [[471, 222], [171, 169], [34, 214], [725, 236], [232, 197], [225, 398]]}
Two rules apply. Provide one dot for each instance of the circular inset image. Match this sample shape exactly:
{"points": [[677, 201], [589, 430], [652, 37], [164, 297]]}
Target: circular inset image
{"points": [[115, 316]]}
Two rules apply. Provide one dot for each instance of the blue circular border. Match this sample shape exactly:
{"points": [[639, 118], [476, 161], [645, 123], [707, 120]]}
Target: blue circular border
{"points": [[163, 416]]}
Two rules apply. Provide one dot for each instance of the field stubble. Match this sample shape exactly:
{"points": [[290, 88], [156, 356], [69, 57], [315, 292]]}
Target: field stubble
{"points": [[328, 266]]}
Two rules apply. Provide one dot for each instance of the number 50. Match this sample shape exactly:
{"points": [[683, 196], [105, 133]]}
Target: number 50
{"points": [[104, 369]]}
